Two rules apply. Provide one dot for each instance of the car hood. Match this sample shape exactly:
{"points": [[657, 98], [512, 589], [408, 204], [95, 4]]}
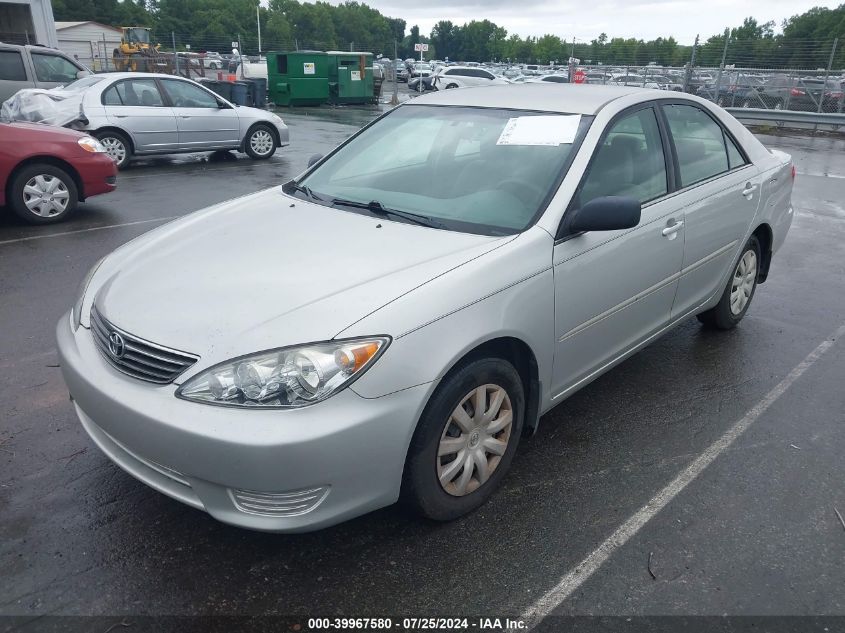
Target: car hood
{"points": [[268, 270]]}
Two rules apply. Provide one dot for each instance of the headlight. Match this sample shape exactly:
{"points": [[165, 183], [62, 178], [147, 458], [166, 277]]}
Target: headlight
{"points": [[90, 144], [80, 294], [285, 378]]}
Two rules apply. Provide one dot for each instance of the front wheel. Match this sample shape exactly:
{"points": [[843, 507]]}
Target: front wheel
{"points": [[117, 146], [738, 292], [465, 441], [43, 194], [260, 143]]}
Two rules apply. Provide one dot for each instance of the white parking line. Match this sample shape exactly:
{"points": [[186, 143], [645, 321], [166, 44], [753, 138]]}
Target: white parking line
{"points": [[93, 228], [579, 574], [806, 173]]}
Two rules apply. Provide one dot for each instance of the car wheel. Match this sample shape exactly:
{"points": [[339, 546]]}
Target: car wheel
{"points": [[738, 292], [451, 86], [465, 441], [213, 66], [260, 143], [778, 105], [746, 103], [721, 102], [43, 194], [117, 146]]}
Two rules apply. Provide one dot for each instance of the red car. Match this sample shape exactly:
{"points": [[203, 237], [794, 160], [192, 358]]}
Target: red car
{"points": [[45, 170]]}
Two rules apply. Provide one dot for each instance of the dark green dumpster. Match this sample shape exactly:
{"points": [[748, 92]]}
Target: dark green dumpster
{"points": [[297, 78], [350, 77]]}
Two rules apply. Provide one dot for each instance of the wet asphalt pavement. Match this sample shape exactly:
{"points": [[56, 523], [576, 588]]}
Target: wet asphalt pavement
{"points": [[755, 534]]}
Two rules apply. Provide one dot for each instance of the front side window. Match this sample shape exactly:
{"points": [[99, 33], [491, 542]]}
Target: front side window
{"points": [[185, 95], [11, 66], [53, 68], [699, 143], [133, 92], [629, 162], [479, 170]]}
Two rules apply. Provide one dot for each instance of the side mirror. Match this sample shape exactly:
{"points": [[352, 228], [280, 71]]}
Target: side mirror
{"points": [[609, 213], [82, 73], [315, 158]]}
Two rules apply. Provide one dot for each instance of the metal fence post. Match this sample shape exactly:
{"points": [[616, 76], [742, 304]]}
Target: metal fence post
{"points": [[827, 72], [688, 74], [395, 99], [721, 68], [175, 55], [106, 53]]}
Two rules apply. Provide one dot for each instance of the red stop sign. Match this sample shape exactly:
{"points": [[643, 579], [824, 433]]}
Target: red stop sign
{"points": [[579, 77]]}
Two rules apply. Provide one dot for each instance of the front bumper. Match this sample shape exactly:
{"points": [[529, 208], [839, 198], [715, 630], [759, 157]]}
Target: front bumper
{"points": [[98, 174], [323, 464]]}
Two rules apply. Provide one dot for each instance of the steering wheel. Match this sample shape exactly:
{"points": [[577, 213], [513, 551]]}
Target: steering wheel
{"points": [[524, 191]]}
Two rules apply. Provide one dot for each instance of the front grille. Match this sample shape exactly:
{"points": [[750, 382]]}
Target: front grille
{"points": [[281, 504], [136, 357]]}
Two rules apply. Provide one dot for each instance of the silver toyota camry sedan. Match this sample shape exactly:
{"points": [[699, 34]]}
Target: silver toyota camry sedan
{"points": [[390, 324], [149, 113]]}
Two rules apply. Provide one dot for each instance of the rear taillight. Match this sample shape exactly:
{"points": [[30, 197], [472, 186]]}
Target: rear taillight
{"points": [[792, 172], [835, 95], [797, 93]]}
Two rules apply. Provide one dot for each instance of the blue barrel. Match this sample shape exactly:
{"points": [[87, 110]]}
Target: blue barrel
{"points": [[260, 96], [240, 93]]}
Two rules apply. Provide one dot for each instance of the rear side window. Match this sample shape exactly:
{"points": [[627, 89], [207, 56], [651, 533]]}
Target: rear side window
{"points": [[699, 141], [735, 158], [11, 66], [629, 162]]}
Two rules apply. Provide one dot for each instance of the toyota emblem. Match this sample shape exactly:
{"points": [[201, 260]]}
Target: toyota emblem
{"points": [[116, 345]]}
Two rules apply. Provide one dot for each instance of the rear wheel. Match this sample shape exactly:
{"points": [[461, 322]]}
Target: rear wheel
{"points": [[117, 146], [738, 292], [260, 142], [43, 194], [465, 441], [451, 86]]}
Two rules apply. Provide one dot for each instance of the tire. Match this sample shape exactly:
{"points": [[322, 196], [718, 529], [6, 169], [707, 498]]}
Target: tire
{"points": [[451, 86], [778, 105], [117, 145], [746, 103], [43, 194], [213, 66], [260, 142], [739, 291], [425, 468]]}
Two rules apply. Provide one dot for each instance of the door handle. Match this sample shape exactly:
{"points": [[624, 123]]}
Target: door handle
{"points": [[184, 116], [672, 229], [121, 116], [749, 189]]}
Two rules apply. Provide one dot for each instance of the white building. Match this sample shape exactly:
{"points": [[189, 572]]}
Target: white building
{"points": [[27, 22], [90, 42]]}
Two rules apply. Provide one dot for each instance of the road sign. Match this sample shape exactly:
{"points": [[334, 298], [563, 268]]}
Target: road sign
{"points": [[579, 77], [234, 44], [419, 46], [574, 60]]}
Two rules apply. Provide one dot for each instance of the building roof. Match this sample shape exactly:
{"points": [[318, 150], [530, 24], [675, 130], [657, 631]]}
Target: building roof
{"points": [[68, 25], [546, 96]]}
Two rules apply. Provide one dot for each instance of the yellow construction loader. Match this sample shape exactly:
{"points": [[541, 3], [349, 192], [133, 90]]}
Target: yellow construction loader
{"points": [[136, 53]]}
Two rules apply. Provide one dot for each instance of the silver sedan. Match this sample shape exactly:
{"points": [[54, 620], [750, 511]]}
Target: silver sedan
{"points": [[389, 325], [148, 113]]}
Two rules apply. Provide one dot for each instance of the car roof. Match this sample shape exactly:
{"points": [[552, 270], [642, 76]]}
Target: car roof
{"points": [[546, 96]]}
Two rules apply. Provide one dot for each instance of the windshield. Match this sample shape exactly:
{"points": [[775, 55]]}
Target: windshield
{"points": [[478, 170], [82, 84]]}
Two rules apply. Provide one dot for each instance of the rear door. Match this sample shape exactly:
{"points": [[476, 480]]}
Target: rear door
{"points": [[201, 121], [719, 190], [137, 106], [13, 75]]}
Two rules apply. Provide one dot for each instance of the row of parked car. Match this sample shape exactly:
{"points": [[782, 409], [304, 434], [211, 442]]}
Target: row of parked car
{"points": [[66, 132]]}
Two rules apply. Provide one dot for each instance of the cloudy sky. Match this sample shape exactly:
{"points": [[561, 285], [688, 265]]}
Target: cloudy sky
{"points": [[645, 19]]}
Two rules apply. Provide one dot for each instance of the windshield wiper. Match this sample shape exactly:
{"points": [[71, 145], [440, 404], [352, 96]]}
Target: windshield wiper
{"points": [[292, 185], [376, 207]]}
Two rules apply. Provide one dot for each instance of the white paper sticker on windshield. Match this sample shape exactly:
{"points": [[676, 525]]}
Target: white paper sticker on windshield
{"points": [[540, 130]]}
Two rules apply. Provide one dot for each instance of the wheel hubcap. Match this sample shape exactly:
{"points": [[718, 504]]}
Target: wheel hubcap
{"points": [[114, 148], [745, 276], [261, 142], [474, 440], [46, 196]]}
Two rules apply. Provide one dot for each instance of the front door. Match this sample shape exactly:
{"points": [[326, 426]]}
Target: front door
{"points": [[202, 122], [614, 289], [136, 106]]}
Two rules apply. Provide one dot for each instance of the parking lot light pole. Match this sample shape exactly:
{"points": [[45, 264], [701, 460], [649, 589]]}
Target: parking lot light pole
{"points": [[394, 101]]}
